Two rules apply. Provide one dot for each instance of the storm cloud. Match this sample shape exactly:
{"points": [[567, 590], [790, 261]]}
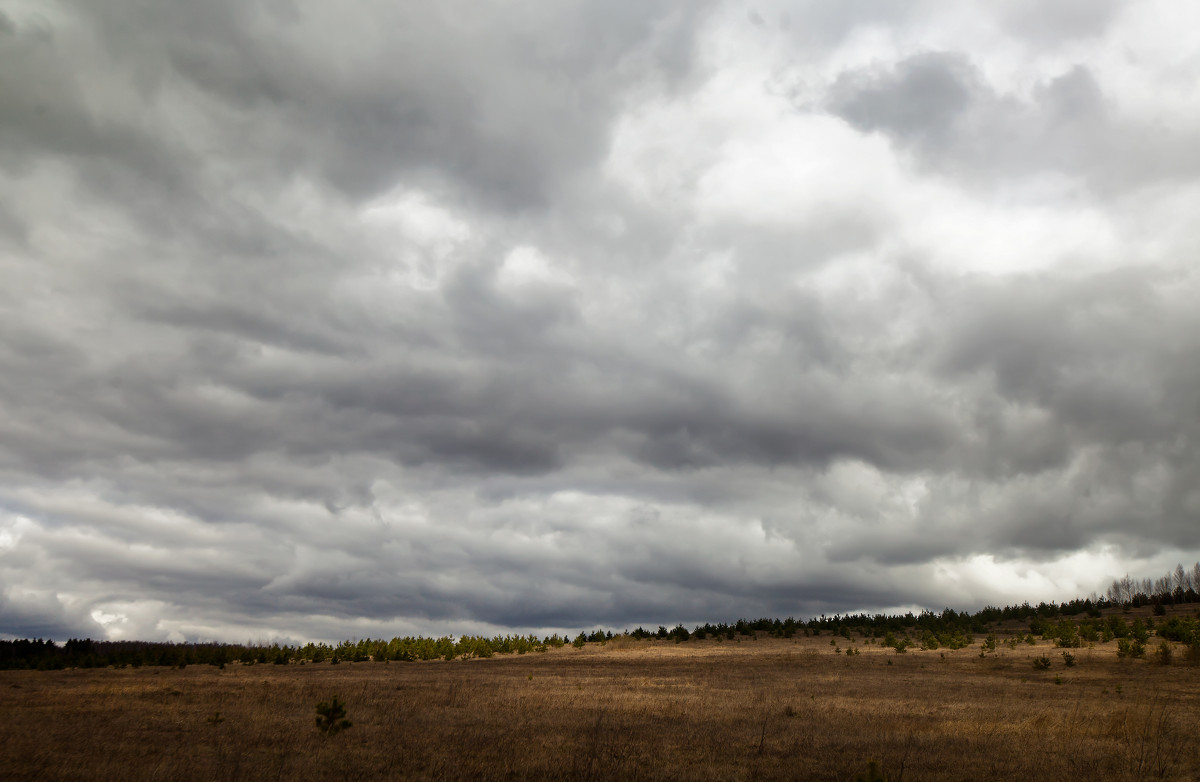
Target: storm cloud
{"points": [[392, 318]]}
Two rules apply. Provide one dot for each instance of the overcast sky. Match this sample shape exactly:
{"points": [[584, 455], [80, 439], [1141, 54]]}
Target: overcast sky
{"points": [[328, 320]]}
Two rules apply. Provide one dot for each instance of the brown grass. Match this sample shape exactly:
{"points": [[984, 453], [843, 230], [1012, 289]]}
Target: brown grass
{"points": [[754, 709]]}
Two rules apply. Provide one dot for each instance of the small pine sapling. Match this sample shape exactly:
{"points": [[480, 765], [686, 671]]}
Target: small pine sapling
{"points": [[331, 717]]}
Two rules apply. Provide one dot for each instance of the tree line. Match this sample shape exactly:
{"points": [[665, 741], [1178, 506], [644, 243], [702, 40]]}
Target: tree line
{"points": [[949, 628], [1178, 586], [87, 653]]}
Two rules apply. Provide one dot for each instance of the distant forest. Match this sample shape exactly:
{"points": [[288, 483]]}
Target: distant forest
{"points": [[927, 630]]}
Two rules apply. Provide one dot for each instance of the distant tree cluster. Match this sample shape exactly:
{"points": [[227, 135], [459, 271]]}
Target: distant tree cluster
{"points": [[1178, 586], [1067, 633], [86, 653]]}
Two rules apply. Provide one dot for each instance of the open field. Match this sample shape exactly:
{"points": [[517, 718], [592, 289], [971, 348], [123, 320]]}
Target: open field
{"points": [[746, 709]]}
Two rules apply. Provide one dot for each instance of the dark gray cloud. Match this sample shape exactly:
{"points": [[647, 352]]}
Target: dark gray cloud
{"points": [[397, 318], [919, 101], [942, 108], [496, 101]]}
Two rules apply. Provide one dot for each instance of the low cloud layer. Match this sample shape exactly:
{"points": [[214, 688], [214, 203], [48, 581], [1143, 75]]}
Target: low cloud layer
{"points": [[405, 318]]}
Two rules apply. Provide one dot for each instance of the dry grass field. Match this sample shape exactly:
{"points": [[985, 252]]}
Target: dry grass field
{"points": [[749, 709]]}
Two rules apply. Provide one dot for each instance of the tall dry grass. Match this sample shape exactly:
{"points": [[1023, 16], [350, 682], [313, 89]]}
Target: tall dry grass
{"points": [[754, 709]]}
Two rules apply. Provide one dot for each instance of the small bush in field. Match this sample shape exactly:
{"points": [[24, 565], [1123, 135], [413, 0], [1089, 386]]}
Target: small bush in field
{"points": [[1068, 659], [1127, 648], [873, 773], [1041, 663], [1164, 653], [331, 717]]}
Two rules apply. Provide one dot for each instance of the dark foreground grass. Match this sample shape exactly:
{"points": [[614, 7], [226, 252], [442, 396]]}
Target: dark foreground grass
{"points": [[765, 709]]}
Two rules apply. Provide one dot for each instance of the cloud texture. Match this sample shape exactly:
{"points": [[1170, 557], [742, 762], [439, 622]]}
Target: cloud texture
{"points": [[403, 317]]}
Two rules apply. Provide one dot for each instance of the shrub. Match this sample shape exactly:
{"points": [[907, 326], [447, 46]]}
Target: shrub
{"points": [[1066, 634], [1041, 663], [1164, 652], [1068, 659], [957, 641], [1127, 648], [899, 644], [331, 717]]}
